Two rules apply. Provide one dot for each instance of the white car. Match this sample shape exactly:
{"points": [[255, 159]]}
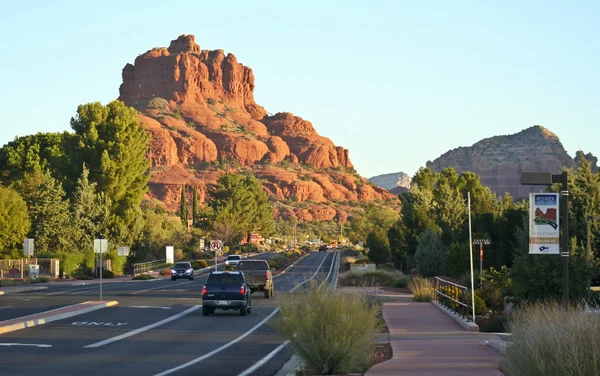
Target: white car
{"points": [[233, 260]]}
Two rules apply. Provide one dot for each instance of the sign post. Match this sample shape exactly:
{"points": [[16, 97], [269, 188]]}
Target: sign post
{"points": [[546, 234], [481, 243], [100, 247], [216, 245]]}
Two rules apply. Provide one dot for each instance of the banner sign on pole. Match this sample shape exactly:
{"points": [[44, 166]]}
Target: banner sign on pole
{"points": [[544, 231], [170, 255], [123, 251], [28, 247]]}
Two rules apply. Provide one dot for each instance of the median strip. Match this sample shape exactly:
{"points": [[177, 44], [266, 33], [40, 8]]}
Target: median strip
{"points": [[52, 315]]}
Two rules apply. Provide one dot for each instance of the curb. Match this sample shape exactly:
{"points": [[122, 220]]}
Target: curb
{"points": [[22, 289], [290, 367], [60, 316], [467, 325]]}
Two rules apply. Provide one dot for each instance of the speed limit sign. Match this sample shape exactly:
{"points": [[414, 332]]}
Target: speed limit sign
{"points": [[216, 245]]}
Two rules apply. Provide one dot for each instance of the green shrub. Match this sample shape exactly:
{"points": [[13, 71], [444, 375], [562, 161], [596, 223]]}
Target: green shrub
{"points": [[422, 289], [361, 262], [494, 286], [142, 277], [83, 277], [369, 279], [322, 328], [480, 307], [39, 280], [548, 340], [108, 274], [199, 264]]}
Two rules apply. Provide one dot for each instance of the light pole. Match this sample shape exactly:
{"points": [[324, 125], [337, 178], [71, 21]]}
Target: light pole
{"points": [[471, 257], [547, 178], [590, 218]]}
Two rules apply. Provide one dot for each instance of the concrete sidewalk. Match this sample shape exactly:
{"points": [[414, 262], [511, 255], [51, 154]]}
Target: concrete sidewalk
{"points": [[52, 315], [425, 341]]}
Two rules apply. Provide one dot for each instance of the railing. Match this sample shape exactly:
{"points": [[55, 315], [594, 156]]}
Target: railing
{"points": [[145, 267], [453, 296], [19, 268]]}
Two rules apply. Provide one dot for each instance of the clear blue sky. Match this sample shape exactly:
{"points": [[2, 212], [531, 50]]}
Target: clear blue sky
{"points": [[396, 82]]}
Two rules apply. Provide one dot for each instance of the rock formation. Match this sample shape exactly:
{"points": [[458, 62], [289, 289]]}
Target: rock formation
{"points": [[198, 106], [396, 181], [500, 160]]}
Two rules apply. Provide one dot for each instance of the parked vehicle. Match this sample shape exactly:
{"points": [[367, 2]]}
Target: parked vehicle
{"points": [[226, 291], [258, 276], [182, 270]]}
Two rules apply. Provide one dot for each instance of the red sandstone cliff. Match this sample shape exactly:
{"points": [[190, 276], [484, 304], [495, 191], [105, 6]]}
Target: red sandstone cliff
{"points": [[198, 106]]}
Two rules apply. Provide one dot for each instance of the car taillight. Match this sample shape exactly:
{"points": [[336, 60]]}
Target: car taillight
{"points": [[267, 274], [242, 290], [204, 290]]}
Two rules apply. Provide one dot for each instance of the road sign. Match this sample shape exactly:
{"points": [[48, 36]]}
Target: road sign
{"points": [[123, 251], [100, 245], [28, 247], [169, 256], [216, 245], [482, 241], [201, 243]]}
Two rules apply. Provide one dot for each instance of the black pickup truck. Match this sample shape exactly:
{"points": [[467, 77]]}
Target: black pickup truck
{"points": [[258, 276], [226, 290]]}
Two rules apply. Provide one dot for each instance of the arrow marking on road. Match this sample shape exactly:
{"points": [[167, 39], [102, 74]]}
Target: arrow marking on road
{"points": [[24, 344]]}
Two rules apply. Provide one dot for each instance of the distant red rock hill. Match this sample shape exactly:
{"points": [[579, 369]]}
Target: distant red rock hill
{"points": [[198, 106]]}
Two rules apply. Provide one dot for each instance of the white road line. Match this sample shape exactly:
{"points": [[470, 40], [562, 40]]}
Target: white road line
{"points": [[97, 288], [24, 344], [229, 344], [159, 287], [218, 350], [143, 329], [86, 289], [264, 360], [272, 354], [145, 306], [8, 306]]}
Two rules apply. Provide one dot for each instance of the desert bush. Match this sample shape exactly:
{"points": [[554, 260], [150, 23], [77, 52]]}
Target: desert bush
{"points": [[360, 262], [159, 104], [142, 277], [377, 278], [422, 289], [322, 328], [108, 274], [165, 272], [199, 264], [83, 277], [39, 280], [548, 340]]}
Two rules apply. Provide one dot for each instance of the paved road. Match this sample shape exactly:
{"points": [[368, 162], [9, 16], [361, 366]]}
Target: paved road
{"points": [[156, 329]]}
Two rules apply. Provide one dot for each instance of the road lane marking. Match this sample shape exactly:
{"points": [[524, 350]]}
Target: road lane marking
{"points": [[98, 323], [231, 343], [146, 306], [264, 360], [159, 287], [24, 344], [143, 329], [8, 306], [87, 289]]}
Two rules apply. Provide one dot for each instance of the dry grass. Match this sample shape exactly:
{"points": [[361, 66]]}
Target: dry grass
{"points": [[333, 334], [371, 279], [548, 340], [422, 289]]}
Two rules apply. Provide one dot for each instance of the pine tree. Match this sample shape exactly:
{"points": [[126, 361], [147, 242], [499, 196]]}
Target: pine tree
{"points": [[183, 213], [195, 209], [113, 145], [51, 226]]}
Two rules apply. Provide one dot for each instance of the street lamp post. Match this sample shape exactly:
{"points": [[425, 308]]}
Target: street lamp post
{"points": [[547, 178], [590, 218]]}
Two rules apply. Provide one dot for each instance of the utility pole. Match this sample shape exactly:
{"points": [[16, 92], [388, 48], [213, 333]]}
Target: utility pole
{"points": [[590, 218], [471, 257]]}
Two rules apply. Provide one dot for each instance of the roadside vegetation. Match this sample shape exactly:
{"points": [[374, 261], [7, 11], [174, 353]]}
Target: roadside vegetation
{"points": [[25, 281], [422, 289], [142, 277], [548, 340], [332, 333]]}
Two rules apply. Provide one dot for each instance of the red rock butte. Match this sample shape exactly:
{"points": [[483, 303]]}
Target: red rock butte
{"points": [[198, 107]]}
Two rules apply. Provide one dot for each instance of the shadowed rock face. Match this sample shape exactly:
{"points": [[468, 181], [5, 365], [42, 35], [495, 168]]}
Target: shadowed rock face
{"points": [[500, 160], [207, 123]]}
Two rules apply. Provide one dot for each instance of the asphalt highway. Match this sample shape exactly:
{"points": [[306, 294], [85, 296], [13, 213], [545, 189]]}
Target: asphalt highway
{"points": [[157, 329]]}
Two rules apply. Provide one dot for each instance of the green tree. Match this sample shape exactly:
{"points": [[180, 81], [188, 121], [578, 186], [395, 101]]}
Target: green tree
{"points": [[90, 213], [51, 226], [430, 255], [379, 247], [374, 217], [183, 213], [113, 144], [238, 204], [14, 221], [450, 209], [195, 207]]}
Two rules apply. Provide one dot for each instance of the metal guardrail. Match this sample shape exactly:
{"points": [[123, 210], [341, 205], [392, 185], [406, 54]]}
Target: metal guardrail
{"points": [[453, 296], [148, 266]]}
